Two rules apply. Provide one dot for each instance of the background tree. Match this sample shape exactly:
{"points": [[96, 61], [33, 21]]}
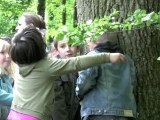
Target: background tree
{"points": [[141, 44], [58, 13], [75, 14], [64, 13], [41, 8]]}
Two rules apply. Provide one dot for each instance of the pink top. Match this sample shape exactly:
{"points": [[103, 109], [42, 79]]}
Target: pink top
{"points": [[13, 115]]}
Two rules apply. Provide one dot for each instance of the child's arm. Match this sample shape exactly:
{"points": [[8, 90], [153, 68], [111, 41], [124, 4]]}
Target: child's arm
{"points": [[86, 81], [65, 66]]}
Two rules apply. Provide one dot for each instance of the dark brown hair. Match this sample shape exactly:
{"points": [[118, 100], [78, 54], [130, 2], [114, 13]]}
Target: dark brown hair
{"points": [[28, 46], [35, 19]]}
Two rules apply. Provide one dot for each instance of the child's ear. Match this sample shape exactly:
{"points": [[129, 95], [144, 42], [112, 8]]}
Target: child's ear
{"points": [[79, 50], [54, 52]]}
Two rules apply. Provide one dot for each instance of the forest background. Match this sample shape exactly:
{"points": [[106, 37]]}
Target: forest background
{"points": [[138, 23]]}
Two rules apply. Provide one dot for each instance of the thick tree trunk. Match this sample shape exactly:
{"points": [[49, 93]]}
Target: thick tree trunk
{"points": [[142, 45], [41, 7], [90, 9]]}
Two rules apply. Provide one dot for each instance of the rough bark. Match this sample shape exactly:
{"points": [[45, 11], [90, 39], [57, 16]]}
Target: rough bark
{"points": [[90, 9], [142, 45]]}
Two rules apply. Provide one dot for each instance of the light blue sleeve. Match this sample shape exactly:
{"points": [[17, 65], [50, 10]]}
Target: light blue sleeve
{"points": [[5, 98], [86, 81]]}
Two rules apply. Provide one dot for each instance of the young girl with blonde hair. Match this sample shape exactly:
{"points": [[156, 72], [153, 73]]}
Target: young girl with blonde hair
{"points": [[6, 75]]}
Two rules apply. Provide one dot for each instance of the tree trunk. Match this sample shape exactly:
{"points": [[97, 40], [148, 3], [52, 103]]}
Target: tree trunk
{"points": [[142, 45], [41, 7], [75, 14], [64, 13]]}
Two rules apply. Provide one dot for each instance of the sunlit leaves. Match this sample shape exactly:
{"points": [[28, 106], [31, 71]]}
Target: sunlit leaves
{"points": [[54, 10], [94, 28], [10, 11]]}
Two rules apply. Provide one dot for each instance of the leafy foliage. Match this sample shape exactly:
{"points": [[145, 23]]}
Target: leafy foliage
{"points": [[91, 30], [53, 16], [10, 10]]}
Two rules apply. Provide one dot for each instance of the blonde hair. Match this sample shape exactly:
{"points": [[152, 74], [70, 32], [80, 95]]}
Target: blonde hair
{"points": [[5, 47]]}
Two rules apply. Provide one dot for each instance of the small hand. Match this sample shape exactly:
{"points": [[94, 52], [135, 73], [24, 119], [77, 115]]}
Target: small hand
{"points": [[117, 58]]}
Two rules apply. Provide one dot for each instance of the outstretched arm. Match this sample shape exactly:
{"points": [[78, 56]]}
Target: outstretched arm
{"points": [[64, 66]]}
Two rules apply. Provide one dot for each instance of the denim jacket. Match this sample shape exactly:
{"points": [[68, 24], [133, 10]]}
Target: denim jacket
{"points": [[107, 89], [6, 96]]}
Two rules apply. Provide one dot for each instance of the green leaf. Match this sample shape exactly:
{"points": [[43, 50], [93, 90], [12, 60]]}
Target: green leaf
{"points": [[60, 36]]}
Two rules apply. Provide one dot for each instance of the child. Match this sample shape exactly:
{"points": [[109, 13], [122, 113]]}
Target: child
{"points": [[66, 104], [36, 20], [30, 18], [34, 86], [6, 73], [106, 90]]}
